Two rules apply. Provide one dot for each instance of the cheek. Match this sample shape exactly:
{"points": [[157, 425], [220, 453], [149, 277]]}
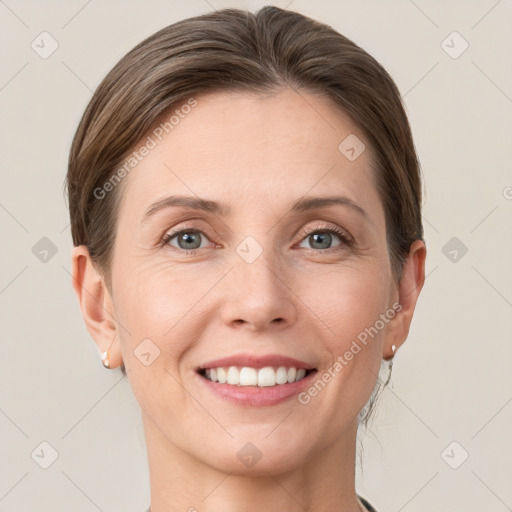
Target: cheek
{"points": [[348, 300], [156, 309], [162, 302]]}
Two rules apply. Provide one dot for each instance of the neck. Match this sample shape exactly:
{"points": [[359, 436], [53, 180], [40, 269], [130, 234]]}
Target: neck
{"points": [[179, 482]]}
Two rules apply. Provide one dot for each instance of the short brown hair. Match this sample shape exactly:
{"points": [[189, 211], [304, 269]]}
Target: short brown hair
{"points": [[236, 50]]}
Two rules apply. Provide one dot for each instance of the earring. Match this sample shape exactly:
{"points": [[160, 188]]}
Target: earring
{"points": [[105, 359], [393, 348], [105, 356], [390, 358]]}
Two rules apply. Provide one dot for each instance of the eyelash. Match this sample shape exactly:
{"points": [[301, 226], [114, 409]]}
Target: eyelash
{"points": [[345, 239], [169, 236], [342, 235]]}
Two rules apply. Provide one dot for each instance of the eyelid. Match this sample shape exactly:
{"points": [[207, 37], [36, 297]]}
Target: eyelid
{"points": [[169, 235], [344, 236]]}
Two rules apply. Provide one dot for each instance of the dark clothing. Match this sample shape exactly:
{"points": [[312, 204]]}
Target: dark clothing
{"points": [[366, 504]]}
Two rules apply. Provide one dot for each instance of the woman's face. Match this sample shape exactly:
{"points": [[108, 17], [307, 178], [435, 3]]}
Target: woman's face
{"points": [[257, 275]]}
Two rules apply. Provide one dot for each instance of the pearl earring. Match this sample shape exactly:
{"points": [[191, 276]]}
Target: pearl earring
{"points": [[105, 359]]}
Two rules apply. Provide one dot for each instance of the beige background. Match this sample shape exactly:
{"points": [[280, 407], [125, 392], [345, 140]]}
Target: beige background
{"points": [[452, 380]]}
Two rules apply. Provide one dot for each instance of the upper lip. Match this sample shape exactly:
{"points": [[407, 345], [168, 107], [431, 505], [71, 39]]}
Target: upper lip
{"points": [[257, 361]]}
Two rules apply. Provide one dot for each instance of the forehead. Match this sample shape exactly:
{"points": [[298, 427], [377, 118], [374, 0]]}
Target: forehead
{"points": [[245, 148]]}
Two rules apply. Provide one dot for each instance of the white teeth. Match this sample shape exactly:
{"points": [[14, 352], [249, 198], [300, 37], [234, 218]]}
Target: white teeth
{"points": [[221, 375], [281, 375], [266, 376], [247, 376], [233, 375]]}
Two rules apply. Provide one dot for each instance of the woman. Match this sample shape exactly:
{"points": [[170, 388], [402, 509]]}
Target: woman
{"points": [[245, 203]]}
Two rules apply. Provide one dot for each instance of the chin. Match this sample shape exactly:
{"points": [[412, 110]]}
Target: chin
{"points": [[256, 455]]}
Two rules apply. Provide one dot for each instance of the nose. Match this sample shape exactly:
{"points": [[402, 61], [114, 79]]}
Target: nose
{"points": [[258, 296]]}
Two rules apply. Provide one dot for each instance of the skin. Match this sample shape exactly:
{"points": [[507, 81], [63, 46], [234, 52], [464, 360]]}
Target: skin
{"points": [[257, 154]]}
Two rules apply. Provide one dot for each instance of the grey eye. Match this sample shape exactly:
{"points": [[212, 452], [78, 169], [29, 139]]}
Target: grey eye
{"points": [[321, 239], [188, 240]]}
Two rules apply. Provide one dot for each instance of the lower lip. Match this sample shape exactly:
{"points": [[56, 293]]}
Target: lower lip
{"points": [[257, 396]]}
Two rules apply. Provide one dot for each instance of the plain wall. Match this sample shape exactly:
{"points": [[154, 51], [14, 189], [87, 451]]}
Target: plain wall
{"points": [[452, 380]]}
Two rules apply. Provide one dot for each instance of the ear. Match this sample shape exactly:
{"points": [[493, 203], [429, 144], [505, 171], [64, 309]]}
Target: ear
{"points": [[96, 304], [409, 288]]}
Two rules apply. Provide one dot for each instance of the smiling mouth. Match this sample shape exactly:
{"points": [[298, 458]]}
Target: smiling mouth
{"points": [[267, 376]]}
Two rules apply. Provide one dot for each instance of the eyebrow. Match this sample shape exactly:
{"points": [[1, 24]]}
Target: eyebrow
{"points": [[193, 203], [300, 206], [310, 203]]}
